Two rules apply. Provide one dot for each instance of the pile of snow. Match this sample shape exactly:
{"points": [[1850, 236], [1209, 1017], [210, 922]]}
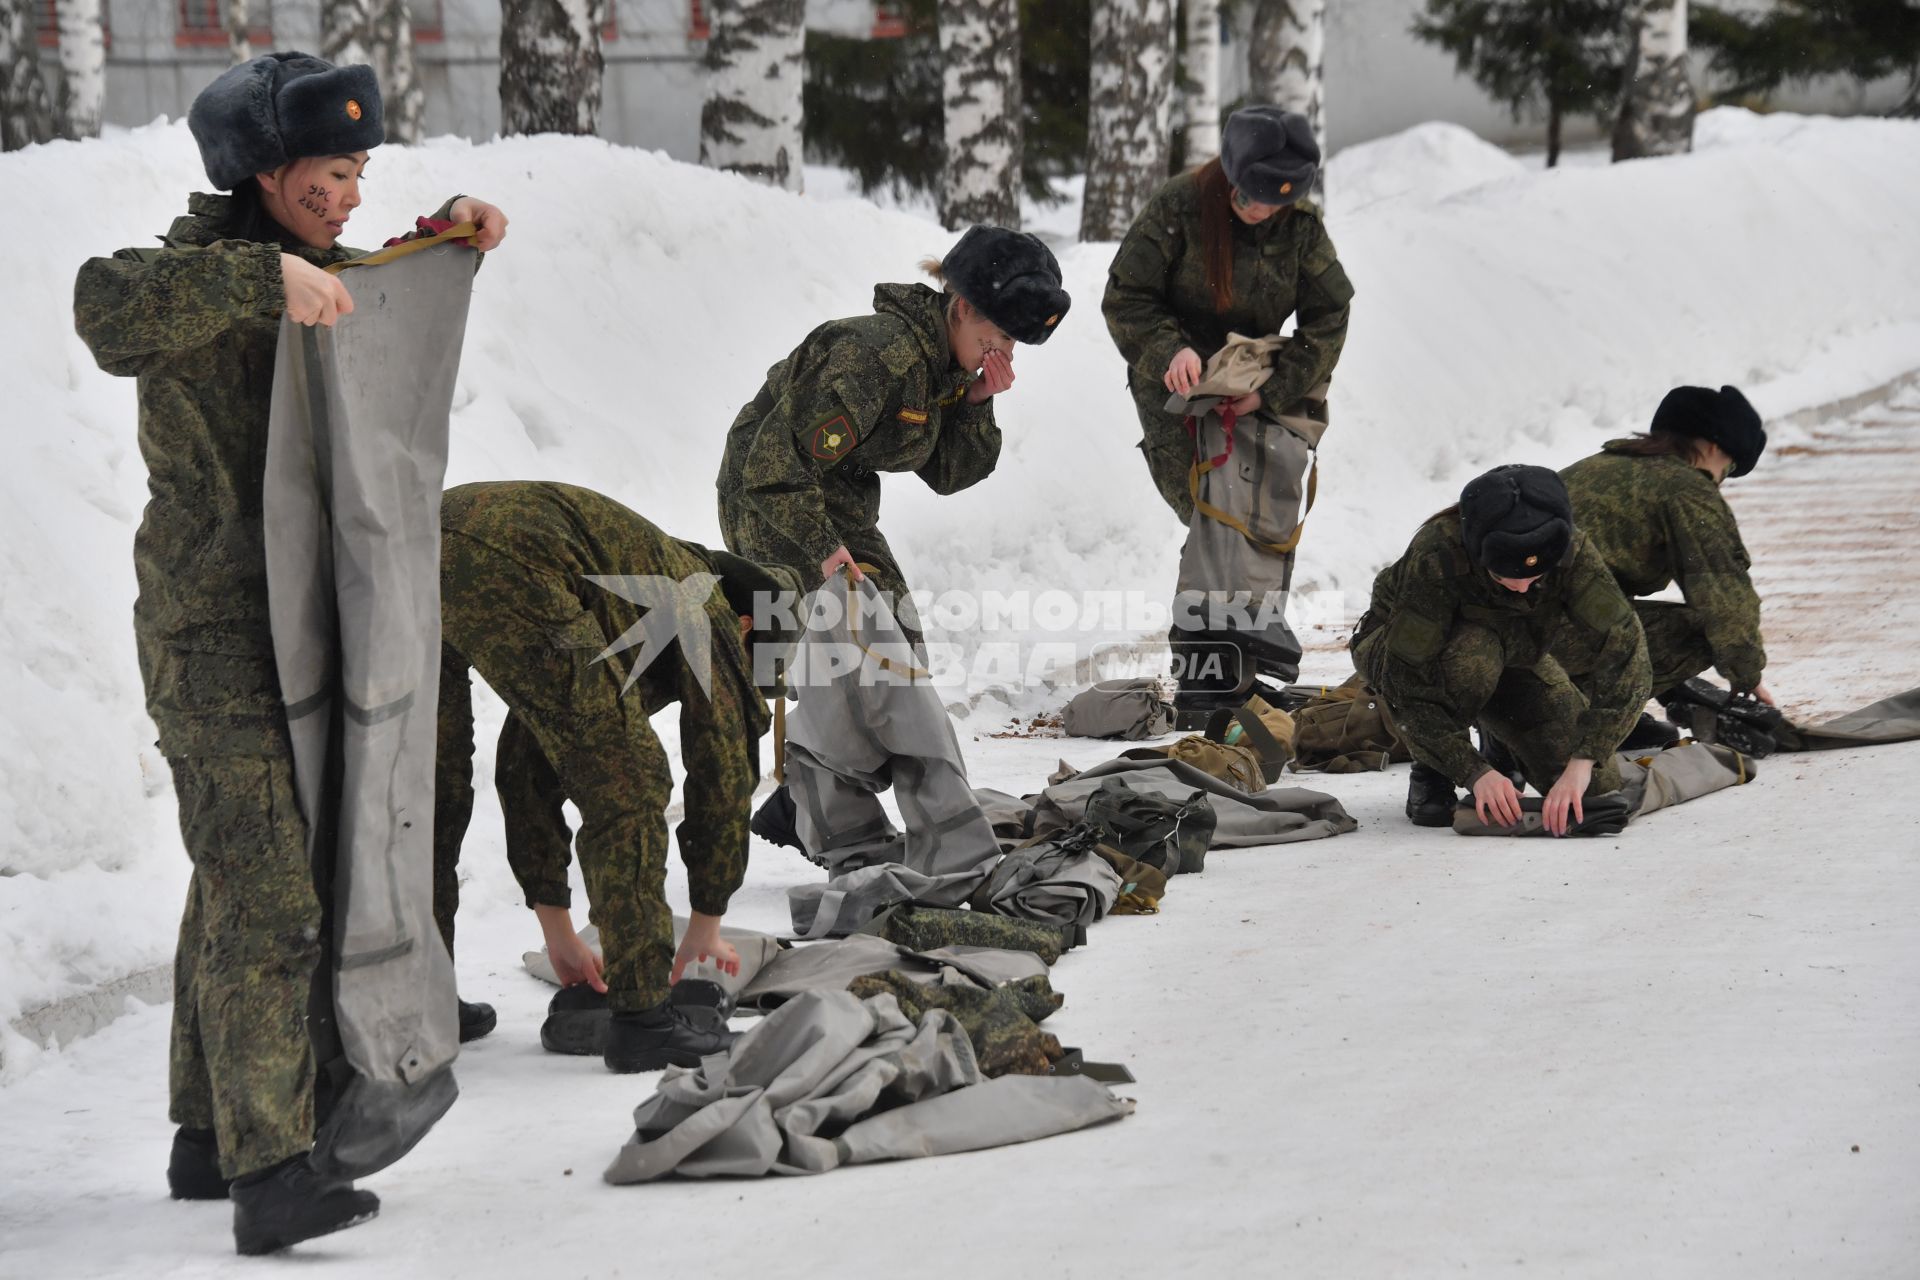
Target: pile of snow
{"points": [[1428, 163], [638, 303]]}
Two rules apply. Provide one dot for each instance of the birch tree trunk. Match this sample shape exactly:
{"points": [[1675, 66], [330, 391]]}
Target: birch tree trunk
{"points": [[1657, 105], [26, 113], [1129, 109], [380, 34], [1286, 55], [756, 63], [83, 68], [239, 44], [1202, 68], [980, 56], [550, 65]]}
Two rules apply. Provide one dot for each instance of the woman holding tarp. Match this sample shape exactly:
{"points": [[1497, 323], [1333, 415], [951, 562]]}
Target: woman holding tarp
{"points": [[1651, 504], [1465, 627], [1226, 254], [198, 321], [908, 388]]}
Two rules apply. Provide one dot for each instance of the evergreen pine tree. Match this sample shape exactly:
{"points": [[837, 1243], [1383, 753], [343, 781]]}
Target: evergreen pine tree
{"points": [[1795, 40], [1566, 54]]}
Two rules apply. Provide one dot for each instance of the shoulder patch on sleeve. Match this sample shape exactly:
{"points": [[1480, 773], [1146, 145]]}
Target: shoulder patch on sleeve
{"points": [[833, 439], [1600, 607]]}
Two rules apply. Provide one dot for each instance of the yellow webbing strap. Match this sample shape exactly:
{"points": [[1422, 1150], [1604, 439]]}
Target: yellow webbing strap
{"points": [[380, 257], [1212, 512], [886, 664]]}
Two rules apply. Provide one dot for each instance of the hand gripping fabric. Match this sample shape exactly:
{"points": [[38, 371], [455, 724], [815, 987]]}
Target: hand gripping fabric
{"points": [[356, 452]]}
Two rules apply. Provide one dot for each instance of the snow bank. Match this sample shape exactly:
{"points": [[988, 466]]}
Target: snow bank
{"points": [[638, 303]]}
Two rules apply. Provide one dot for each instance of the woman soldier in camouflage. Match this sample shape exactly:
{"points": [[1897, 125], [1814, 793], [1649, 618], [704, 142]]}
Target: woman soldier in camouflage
{"points": [[1464, 629], [197, 320], [908, 388], [1651, 504], [1232, 247]]}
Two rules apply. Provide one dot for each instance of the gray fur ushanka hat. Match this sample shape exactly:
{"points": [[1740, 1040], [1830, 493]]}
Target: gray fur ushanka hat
{"points": [[1269, 154], [279, 107], [1012, 278]]}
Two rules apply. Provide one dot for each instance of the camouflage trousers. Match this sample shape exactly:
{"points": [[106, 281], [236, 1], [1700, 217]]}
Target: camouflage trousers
{"points": [[1534, 710], [748, 533], [241, 1063], [1677, 647], [531, 639], [1167, 447]]}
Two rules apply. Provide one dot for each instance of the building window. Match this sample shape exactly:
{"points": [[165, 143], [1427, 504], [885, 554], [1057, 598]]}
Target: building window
{"points": [[699, 26], [203, 22], [429, 25], [49, 22], [889, 21]]}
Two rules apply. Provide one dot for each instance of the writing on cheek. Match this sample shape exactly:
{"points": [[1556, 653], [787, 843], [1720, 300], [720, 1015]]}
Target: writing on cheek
{"points": [[316, 200]]}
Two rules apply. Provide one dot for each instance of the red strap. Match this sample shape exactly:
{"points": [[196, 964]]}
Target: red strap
{"points": [[1227, 418], [423, 228]]}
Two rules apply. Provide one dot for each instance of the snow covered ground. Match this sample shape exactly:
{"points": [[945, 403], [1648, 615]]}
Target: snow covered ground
{"points": [[1389, 1053]]}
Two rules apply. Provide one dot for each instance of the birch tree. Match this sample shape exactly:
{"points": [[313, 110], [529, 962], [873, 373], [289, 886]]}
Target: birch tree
{"points": [[1201, 66], [1657, 104], [239, 41], [380, 34], [750, 123], [1129, 108], [980, 57], [1285, 57], [26, 114], [83, 67], [550, 65]]}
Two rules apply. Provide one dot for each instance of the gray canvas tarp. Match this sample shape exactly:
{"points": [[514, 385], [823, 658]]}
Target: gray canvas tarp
{"points": [[1895, 719], [1130, 709], [829, 1080], [1648, 783], [1278, 815], [830, 966], [870, 718], [356, 453]]}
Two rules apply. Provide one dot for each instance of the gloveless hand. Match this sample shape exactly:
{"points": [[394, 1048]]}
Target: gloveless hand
{"points": [[313, 296], [490, 225], [996, 375], [1183, 371], [1566, 794], [702, 941], [1495, 799]]}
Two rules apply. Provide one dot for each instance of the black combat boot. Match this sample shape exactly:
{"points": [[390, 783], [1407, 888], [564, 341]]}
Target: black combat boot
{"points": [[476, 1020], [775, 821], [193, 1170], [1430, 797], [290, 1202], [660, 1037], [1650, 735], [576, 1021]]}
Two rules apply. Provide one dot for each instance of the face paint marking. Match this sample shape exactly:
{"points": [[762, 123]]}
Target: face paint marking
{"points": [[316, 200]]}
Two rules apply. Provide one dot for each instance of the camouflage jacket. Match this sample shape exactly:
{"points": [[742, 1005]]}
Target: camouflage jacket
{"points": [[860, 396], [1420, 597], [1157, 298], [197, 321], [1661, 520], [572, 532]]}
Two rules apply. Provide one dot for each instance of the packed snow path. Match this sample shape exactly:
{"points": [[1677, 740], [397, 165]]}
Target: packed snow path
{"points": [[1688, 1051]]}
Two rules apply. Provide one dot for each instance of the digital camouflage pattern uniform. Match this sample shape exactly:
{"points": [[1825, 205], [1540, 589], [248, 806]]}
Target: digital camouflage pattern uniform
{"points": [[1157, 302], [197, 320], [515, 605], [873, 393], [1447, 646], [1660, 520], [1002, 1022]]}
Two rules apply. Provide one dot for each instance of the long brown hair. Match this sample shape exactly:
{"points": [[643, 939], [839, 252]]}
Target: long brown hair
{"points": [[1656, 444], [1216, 231]]}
